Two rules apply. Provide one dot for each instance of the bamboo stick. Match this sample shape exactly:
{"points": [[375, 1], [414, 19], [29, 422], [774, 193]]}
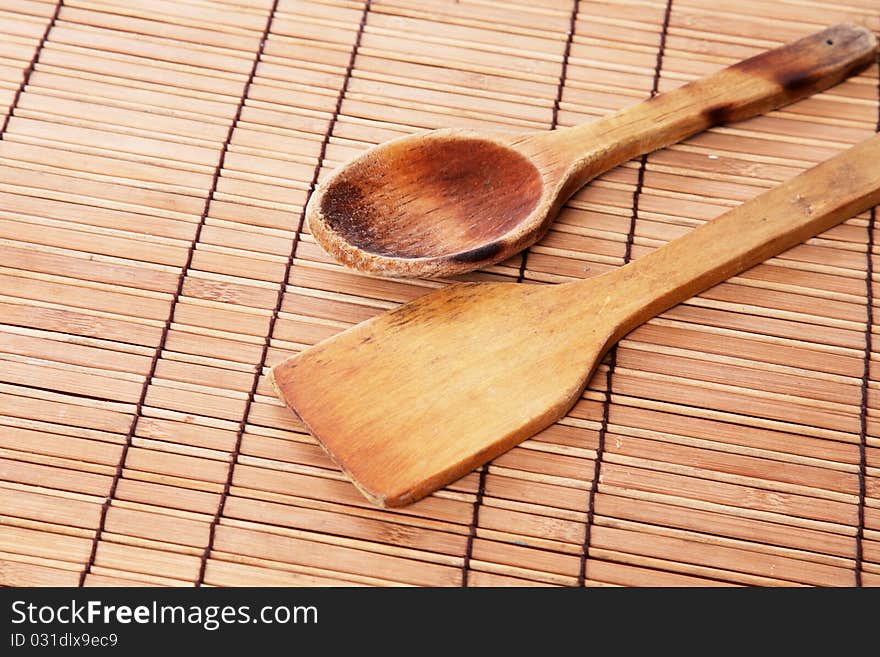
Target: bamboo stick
{"points": [[797, 506], [224, 562], [374, 530], [100, 576], [598, 571], [222, 573], [15, 573], [149, 562], [154, 526], [41, 544], [736, 561], [826, 547], [709, 572], [95, 579], [228, 36], [158, 494], [49, 508], [279, 546]]}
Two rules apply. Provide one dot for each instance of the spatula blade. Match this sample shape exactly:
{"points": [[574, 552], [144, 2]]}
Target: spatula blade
{"points": [[415, 398]]}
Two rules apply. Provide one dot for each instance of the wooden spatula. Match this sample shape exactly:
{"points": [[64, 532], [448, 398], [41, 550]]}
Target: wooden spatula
{"points": [[417, 397]]}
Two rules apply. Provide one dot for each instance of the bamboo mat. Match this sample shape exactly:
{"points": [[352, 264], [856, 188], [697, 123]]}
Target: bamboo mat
{"points": [[155, 158]]}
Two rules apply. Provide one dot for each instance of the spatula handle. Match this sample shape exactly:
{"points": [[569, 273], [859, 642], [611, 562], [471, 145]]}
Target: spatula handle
{"points": [[787, 215], [751, 87]]}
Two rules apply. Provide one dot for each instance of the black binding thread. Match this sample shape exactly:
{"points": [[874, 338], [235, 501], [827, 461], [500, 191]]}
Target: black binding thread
{"points": [[612, 363], [863, 403], [866, 376], [280, 298]]}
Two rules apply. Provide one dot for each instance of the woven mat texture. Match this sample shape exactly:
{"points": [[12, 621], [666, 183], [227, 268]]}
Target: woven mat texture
{"points": [[155, 159]]}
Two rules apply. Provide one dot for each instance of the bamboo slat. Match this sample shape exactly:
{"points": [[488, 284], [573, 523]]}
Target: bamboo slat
{"points": [[155, 161]]}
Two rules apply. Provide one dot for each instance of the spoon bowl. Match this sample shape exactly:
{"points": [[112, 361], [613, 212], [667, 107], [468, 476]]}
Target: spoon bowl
{"points": [[450, 201], [475, 190]]}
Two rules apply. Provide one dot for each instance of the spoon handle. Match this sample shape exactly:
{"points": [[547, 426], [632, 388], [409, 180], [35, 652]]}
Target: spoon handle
{"points": [[778, 219], [751, 87]]}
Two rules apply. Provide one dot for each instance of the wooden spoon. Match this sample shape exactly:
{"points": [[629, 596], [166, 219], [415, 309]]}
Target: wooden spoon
{"points": [[412, 399], [449, 201]]}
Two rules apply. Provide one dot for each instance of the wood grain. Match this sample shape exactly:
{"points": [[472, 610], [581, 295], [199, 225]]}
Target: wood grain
{"points": [[449, 201], [415, 398]]}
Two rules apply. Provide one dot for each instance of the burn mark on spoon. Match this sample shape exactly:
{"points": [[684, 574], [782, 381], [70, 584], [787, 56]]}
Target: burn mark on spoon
{"points": [[719, 113], [478, 254], [800, 69], [796, 68]]}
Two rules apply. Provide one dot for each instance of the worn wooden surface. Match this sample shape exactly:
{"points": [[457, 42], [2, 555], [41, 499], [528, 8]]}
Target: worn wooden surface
{"points": [[416, 398], [149, 217], [450, 201]]}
